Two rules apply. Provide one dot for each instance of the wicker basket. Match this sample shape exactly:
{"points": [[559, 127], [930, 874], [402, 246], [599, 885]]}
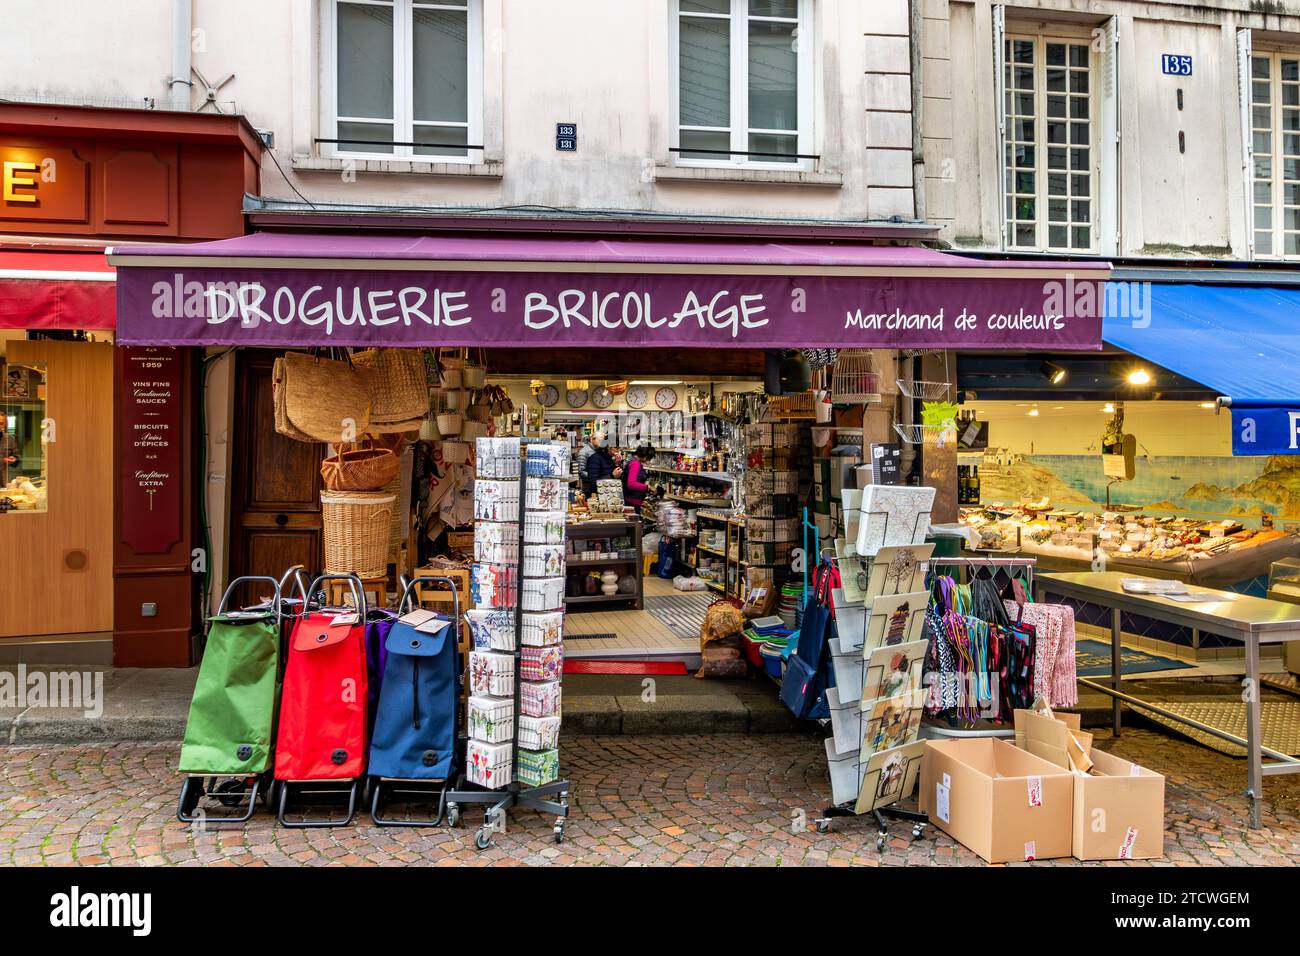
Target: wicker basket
{"points": [[356, 525], [450, 423], [473, 376], [455, 452], [359, 468], [398, 384], [451, 379]]}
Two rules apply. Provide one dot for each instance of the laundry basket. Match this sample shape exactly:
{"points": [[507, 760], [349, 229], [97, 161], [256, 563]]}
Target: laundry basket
{"points": [[357, 526]]}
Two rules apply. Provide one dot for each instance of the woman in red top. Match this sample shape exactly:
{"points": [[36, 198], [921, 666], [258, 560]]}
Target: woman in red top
{"points": [[636, 473]]}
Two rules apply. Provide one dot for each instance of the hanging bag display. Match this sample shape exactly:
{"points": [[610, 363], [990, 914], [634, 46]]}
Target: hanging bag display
{"points": [[399, 392], [283, 425], [326, 399]]}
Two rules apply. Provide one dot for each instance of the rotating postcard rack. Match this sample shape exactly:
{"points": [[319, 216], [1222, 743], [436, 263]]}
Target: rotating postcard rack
{"points": [[512, 757], [874, 751]]}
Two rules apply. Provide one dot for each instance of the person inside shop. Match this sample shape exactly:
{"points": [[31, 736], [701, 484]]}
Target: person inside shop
{"points": [[601, 464], [584, 455], [10, 459], [637, 472]]}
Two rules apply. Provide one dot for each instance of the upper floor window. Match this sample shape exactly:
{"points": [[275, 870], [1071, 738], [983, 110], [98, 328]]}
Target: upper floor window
{"points": [[1050, 188], [401, 79], [743, 82], [1275, 148]]}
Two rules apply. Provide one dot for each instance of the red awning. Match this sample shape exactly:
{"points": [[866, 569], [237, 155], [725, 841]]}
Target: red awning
{"points": [[50, 289]]}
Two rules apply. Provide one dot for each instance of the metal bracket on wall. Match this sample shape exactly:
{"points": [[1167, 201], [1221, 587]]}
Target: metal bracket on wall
{"points": [[210, 90]]}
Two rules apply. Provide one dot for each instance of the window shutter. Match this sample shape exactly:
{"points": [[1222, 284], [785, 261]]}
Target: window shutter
{"points": [[1109, 221], [1000, 101], [1247, 157]]}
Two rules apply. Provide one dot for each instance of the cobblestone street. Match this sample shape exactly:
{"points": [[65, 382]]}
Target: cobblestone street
{"points": [[700, 800]]}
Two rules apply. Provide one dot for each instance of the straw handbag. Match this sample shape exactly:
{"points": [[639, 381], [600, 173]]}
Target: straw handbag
{"points": [[325, 399], [282, 424], [399, 394], [360, 467]]}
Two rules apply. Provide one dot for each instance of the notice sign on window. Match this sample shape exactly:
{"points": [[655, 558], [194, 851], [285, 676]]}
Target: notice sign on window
{"points": [[151, 449]]}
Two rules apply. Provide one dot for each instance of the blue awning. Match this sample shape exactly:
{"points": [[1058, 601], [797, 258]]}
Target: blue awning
{"points": [[1240, 341]]}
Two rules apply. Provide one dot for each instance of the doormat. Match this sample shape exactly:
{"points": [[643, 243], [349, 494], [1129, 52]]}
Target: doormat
{"points": [[604, 636], [1092, 659], [1279, 722], [662, 668], [681, 613]]}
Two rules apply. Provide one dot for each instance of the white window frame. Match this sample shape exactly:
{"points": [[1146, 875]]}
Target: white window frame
{"points": [[403, 120], [1041, 224], [1277, 229], [739, 128]]}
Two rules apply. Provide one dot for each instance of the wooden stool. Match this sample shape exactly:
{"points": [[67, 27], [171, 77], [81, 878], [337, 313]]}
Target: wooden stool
{"points": [[339, 593]]}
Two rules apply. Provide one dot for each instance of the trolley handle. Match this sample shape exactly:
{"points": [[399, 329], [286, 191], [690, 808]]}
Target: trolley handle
{"points": [[354, 583], [230, 589], [296, 577], [431, 579]]}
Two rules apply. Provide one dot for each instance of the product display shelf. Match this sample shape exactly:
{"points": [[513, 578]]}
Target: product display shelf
{"points": [[630, 564], [706, 475], [551, 796], [693, 549]]}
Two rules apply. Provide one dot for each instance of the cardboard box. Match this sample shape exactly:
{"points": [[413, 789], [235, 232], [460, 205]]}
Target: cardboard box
{"points": [[1056, 738], [1002, 802], [1119, 807]]}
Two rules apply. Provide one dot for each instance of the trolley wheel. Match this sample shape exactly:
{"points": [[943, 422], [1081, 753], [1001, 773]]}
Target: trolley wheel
{"points": [[880, 842], [559, 829], [823, 825], [453, 815], [917, 831], [230, 793], [482, 839]]}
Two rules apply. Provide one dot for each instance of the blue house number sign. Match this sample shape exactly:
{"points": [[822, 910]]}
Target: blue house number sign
{"points": [[1175, 64], [566, 137]]}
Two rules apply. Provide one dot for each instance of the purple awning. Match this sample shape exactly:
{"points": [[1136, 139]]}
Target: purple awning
{"points": [[282, 289]]}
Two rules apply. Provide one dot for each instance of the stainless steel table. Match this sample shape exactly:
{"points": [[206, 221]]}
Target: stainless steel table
{"points": [[1238, 617]]}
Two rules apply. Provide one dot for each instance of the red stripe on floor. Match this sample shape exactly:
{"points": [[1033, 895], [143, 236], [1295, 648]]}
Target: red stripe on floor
{"points": [[624, 667]]}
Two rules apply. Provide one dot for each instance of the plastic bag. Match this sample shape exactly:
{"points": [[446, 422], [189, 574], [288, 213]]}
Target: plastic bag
{"points": [[689, 583]]}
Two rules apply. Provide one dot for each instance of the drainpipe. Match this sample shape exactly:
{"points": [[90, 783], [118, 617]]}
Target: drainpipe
{"points": [[918, 142], [178, 87]]}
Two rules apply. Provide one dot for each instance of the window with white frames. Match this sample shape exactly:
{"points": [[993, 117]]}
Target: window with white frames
{"points": [[1275, 149], [1050, 187], [402, 79], [743, 82]]}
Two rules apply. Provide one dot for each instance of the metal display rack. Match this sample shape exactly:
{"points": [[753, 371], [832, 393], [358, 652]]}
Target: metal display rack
{"points": [[882, 815], [552, 797]]}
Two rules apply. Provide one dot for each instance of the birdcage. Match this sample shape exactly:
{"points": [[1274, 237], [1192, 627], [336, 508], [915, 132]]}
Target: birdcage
{"points": [[857, 378]]}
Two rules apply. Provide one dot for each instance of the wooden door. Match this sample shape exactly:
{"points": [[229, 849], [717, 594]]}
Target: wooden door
{"points": [[275, 497]]}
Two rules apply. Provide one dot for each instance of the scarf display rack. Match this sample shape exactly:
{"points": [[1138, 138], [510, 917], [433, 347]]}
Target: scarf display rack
{"points": [[972, 654], [515, 522]]}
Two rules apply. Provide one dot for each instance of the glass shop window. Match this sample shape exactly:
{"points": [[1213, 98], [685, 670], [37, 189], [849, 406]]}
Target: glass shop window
{"points": [[23, 434]]}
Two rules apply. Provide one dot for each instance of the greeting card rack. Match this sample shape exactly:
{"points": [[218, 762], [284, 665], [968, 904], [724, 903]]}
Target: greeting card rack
{"points": [[514, 672], [874, 751]]}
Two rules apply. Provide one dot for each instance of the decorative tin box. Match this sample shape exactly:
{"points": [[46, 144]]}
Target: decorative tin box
{"points": [[491, 719]]}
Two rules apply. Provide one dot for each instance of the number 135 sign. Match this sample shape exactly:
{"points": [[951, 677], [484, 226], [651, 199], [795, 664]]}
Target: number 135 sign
{"points": [[1175, 64]]}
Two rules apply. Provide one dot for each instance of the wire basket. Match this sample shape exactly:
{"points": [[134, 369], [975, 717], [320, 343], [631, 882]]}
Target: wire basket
{"points": [[356, 528], [856, 380], [912, 434], [926, 391]]}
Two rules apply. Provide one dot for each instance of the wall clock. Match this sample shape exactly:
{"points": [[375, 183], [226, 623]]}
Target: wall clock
{"points": [[602, 397], [548, 396], [666, 398], [576, 397], [637, 396]]}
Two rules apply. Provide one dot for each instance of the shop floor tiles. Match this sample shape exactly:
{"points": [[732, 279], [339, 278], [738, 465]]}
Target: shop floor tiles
{"points": [[1093, 660], [1279, 723]]}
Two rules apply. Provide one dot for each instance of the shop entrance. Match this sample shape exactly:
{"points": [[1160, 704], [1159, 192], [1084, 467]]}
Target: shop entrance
{"points": [[275, 481]]}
